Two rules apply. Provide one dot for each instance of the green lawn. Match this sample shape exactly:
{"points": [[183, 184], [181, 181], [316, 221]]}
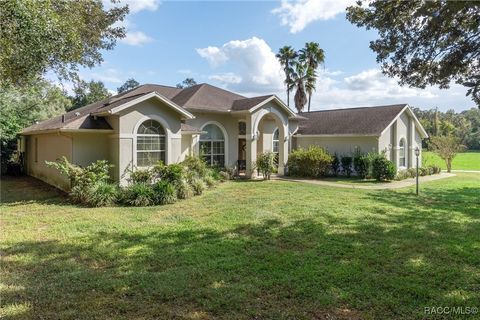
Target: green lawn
{"points": [[245, 250], [469, 160]]}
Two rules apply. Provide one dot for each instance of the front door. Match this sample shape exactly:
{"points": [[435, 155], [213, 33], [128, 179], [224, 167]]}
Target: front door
{"points": [[242, 155]]}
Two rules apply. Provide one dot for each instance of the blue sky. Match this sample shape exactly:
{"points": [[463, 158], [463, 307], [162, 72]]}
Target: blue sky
{"points": [[232, 45]]}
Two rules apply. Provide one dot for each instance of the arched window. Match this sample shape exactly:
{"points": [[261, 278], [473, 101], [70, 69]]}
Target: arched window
{"points": [[150, 143], [212, 145], [275, 141], [401, 153]]}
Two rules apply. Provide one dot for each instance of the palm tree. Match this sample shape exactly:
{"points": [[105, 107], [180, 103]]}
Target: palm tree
{"points": [[298, 79], [287, 56], [312, 55]]}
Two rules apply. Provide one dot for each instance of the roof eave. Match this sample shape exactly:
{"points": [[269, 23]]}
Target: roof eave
{"points": [[337, 135], [147, 96]]}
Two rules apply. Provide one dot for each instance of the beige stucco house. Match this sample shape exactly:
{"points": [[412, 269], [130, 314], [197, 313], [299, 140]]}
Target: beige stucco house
{"points": [[153, 122]]}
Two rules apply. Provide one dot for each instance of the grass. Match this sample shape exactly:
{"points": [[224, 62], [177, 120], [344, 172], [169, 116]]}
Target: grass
{"points": [[469, 160], [353, 180], [245, 250]]}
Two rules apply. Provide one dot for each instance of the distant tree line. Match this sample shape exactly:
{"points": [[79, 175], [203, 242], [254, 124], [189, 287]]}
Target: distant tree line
{"points": [[465, 125]]}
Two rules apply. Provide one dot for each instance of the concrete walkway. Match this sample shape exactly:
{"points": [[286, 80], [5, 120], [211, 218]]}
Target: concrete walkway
{"points": [[472, 171], [378, 186]]}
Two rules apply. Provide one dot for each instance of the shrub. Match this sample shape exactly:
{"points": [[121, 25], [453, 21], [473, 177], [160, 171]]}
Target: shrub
{"points": [[89, 184], [164, 192], [402, 175], [436, 169], [195, 165], [311, 162], [139, 194], [141, 176], [266, 164], [80, 194], [98, 171], [412, 172], [198, 186], [224, 175], [184, 190], [102, 194], [347, 165], [361, 164], [383, 169], [335, 165], [173, 173], [210, 181], [422, 171]]}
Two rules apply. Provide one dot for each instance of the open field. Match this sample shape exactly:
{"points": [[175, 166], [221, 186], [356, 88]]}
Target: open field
{"points": [[244, 250], [463, 161]]}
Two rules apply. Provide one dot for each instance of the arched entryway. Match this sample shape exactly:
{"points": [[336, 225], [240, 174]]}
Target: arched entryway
{"points": [[267, 132]]}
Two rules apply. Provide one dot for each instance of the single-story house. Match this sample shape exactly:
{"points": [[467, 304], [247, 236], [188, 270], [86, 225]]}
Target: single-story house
{"points": [[153, 122]]}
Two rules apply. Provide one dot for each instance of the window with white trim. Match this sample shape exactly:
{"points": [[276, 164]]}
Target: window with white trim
{"points": [[275, 141], [150, 143], [212, 145], [401, 153]]}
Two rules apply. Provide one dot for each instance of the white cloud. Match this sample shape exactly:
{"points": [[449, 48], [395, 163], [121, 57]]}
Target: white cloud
{"points": [[373, 83], [226, 78], [141, 5], [109, 75], [133, 38], [256, 67], [134, 6], [136, 38], [215, 56], [297, 15]]}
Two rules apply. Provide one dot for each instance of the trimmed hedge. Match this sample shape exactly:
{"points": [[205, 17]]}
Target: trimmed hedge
{"points": [[312, 162], [383, 169]]}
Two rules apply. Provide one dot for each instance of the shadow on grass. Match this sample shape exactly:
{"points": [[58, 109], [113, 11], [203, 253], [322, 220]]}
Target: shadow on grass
{"points": [[25, 189], [268, 270]]}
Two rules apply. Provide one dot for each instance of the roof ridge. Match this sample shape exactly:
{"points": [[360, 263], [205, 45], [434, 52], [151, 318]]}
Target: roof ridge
{"points": [[354, 108]]}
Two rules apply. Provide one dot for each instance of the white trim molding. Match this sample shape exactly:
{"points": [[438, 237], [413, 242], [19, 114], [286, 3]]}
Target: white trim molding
{"points": [[168, 137], [150, 95], [225, 137]]}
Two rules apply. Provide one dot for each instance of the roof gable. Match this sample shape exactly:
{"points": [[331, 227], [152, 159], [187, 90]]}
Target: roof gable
{"points": [[206, 97], [367, 121]]}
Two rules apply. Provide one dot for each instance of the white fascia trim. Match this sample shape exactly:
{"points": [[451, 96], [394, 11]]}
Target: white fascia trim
{"points": [[280, 102], [88, 130], [417, 123], [334, 135], [171, 104]]}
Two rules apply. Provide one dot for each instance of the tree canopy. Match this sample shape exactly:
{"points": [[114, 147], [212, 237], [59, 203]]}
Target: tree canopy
{"points": [[129, 84], [22, 106], [54, 35], [88, 92], [465, 125], [425, 42], [187, 83]]}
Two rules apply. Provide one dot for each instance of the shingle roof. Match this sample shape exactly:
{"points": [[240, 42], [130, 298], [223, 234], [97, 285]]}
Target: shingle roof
{"points": [[206, 97], [80, 119], [248, 103], [354, 121]]}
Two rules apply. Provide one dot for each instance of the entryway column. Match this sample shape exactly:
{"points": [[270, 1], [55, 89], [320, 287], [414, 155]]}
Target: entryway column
{"points": [[411, 144], [395, 144], [282, 149], [251, 148]]}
